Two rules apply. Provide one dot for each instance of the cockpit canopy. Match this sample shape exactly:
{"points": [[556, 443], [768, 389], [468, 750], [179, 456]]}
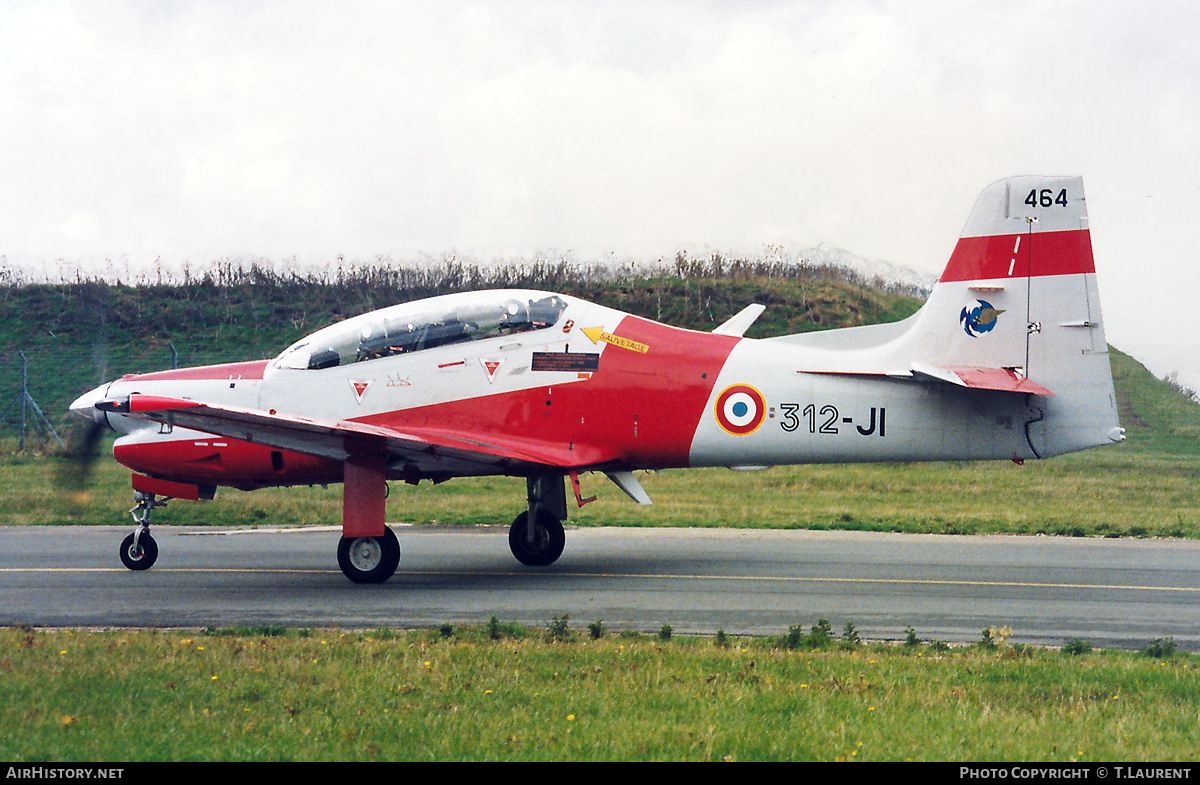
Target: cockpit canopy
{"points": [[424, 324]]}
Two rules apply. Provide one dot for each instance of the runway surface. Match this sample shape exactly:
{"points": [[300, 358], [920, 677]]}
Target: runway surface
{"points": [[1048, 590]]}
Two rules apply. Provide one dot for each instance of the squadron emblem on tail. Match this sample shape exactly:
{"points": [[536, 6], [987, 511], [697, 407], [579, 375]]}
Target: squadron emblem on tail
{"points": [[979, 318]]}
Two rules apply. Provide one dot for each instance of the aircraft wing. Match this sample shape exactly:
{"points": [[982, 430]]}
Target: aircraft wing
{"points": [[428, 451]]}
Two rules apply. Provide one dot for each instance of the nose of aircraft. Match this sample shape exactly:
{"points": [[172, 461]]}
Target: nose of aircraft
{"points": [[85, 405]]}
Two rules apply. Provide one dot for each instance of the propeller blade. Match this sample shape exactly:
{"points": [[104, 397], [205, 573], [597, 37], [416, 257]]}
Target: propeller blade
{"points": [[81, 454]]}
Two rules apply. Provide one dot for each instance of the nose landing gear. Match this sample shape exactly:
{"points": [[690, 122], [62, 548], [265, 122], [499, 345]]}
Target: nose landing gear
{"points": [[139, 551]]}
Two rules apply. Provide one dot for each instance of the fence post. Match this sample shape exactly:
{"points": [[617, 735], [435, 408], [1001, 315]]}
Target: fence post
{"points": [[27, 403]]}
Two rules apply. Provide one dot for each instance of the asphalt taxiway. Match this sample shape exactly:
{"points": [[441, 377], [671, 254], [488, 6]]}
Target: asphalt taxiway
{"points": [[1047, 590]]}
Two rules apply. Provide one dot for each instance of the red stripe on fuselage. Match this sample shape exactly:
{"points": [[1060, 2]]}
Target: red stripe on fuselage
{"points": [[641, 409], [245, 370], [1037, 254]]}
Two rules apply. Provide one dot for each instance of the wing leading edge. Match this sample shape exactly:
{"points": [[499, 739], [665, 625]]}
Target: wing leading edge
{"points": [[426, 451]]}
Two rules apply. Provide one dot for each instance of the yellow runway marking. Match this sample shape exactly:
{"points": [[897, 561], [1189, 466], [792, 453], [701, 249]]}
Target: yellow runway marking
{"points": [[172, 570], [784, 579], [631, 576]]}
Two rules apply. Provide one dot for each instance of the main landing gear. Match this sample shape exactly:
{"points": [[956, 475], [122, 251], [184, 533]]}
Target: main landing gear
{"points": [[369, 559], [541, 543], [540, 546], [374, 559]]}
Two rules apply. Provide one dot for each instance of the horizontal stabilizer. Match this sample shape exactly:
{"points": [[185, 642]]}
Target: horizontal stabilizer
{"points": [[997, 379]]}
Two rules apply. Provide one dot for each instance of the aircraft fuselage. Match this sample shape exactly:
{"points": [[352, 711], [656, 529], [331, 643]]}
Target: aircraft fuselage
{"points": [[643, 396]]}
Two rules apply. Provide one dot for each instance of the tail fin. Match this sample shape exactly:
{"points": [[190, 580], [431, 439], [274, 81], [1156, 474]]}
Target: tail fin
{"points": [[1019, 296], [1016, 310]]}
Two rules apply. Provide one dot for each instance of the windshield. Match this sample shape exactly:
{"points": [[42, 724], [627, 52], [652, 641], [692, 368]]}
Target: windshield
{"points": [[425, 324]]}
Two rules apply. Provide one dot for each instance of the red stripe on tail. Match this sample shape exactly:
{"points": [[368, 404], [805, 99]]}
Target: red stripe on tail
{"points": [[1020, 256]]}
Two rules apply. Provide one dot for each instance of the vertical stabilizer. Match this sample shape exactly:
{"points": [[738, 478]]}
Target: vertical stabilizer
{"points": [[1019, 293]]}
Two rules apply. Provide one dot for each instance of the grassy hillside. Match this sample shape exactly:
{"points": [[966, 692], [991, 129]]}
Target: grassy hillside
{"points": [[77, 335], [243, 695], [80, 334], [1156, 414]]}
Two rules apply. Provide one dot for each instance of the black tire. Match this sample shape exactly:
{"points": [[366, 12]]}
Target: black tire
{"points": [[139, 553], [369, 559], [548, 542]]}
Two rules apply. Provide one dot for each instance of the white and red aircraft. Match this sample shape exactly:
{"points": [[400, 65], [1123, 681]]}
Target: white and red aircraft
{"points": [[1006, 360]]}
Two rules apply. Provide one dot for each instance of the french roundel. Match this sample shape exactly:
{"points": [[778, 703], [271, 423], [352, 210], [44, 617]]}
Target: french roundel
{"points": [[740, 409]]}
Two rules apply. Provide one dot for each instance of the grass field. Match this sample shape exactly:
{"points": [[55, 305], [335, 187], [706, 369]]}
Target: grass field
{"points": [[554, 693], [512, 694]]}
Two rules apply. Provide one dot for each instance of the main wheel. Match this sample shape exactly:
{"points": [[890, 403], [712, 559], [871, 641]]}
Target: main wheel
{"points": [[139, 553], [369, 559], [548, 539]]}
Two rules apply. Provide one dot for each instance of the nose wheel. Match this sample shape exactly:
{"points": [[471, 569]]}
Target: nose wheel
{"points": [[139, 551]]}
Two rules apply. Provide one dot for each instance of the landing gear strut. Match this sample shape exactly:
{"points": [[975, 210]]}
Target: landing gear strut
{"points": [[139, 550], [541, 543]]}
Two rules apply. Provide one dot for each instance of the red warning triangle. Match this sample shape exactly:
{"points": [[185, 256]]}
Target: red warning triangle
{"points": [[491, 366], [359, 387]]}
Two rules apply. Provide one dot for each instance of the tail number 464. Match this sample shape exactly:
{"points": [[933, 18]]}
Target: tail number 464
{"points": [[1046, 198]]}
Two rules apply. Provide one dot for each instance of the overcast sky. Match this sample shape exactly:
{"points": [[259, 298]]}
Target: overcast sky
{"points": [[198, 131]]}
